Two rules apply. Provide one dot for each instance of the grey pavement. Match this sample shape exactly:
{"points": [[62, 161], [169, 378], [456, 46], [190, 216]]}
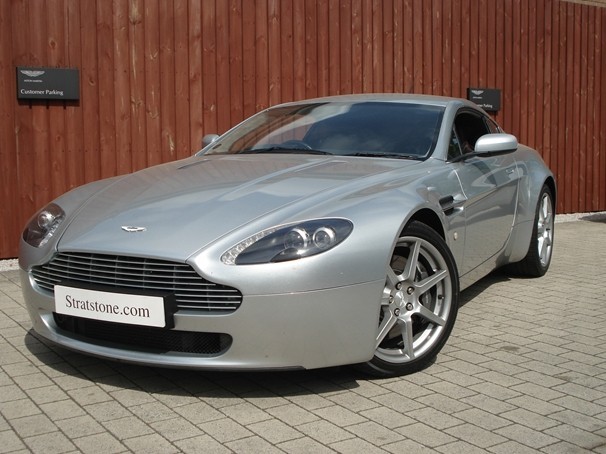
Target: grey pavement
{"points": [[524, 371]]}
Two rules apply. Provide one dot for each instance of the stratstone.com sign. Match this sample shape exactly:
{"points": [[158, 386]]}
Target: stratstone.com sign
{"points": [[48, 83]]}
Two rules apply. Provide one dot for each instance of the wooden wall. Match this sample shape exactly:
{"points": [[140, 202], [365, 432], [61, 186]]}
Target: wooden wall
{"points": [[156, 75]]}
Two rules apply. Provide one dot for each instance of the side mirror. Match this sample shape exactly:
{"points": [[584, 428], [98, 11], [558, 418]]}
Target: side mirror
{"points": [[208, 139], [494, 144]]}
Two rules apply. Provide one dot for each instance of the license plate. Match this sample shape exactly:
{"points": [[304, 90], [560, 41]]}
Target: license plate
{"points": [[111, 307]]}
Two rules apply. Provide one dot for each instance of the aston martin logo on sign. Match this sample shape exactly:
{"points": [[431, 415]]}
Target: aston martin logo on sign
{"points": [[133, 229], [31, 73]]}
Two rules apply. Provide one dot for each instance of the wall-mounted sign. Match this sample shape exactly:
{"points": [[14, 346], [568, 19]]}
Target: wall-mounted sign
{"points": [[48, 83], [488, 99]]}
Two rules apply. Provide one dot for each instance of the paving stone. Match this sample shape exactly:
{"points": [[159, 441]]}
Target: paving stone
{"points": [[524, 435], [107, 411], [225, 430], [64, 409], [79, 426], [426, 435], [29, 426], [196, 413], [252, 444], [460, 447], [245, 413], [129, 427], [50, 443], [406, 446], [389, 418], [176, 429], [153, 443], [99, 443], [304, 445], [340, 416], [511, 447], [356, 445], [481, 418], [325, 432], [293, 415], [89, 395], [47, 394], [202, 443], [10, 442], [435, 418], [475, 435], [274, 431], [153, 412], [576, 436], [18, 409], [375, 433]]}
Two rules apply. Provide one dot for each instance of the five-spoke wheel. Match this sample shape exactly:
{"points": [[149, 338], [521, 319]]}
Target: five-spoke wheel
{"points": [[419, 303]]}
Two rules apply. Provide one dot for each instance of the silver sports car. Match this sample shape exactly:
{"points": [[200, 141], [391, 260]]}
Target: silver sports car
{"points": [[317, 233]]}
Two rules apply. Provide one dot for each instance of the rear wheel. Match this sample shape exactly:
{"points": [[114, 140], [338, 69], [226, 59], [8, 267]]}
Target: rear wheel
{"points": [[537, 260], [419, 304]]}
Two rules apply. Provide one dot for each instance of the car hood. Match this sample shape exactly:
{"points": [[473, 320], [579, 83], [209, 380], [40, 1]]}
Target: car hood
{"points": [[185, 205]]}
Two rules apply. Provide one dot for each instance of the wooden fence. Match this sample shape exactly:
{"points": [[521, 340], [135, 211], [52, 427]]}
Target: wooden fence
{"points": [[156, 75]]}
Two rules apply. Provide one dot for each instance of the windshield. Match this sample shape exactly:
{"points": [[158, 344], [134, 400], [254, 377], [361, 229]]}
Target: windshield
{"points": [[388, 129]]}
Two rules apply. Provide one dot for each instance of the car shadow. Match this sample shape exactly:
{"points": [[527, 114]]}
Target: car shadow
{"points": [[595, 217], [113, 375], [482, 285]]}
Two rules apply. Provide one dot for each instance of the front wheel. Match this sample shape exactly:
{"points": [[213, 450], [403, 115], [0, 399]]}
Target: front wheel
{"points": [[419, 304]]}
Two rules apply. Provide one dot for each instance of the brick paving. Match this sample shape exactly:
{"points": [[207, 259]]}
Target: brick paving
{"points": [[524, 371]]}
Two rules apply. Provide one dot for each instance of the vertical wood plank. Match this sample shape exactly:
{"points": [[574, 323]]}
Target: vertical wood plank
{"points": [[287, 44], [168, 86], [223, 92], [274, 52], [345, 49], [195, 50], [138, 77], [183, 118], [153, 93], [388, 46], [209, 68], [9, 207], [323, 59], [311, 49], [74, 124]]}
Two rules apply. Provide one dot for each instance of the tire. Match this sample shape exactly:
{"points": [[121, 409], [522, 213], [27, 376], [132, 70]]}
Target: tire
{"points": [[538, 258], [419, 304]]}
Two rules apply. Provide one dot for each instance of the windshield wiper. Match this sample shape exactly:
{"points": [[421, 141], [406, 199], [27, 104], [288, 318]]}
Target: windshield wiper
{"points": [[279, 149], [386, 155]]}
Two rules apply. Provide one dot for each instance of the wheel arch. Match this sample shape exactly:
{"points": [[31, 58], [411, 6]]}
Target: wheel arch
{"points": [[429, 218], [550, 183]]}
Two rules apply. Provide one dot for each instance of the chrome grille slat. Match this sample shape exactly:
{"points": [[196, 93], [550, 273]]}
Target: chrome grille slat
{"points": [[192, 292]]}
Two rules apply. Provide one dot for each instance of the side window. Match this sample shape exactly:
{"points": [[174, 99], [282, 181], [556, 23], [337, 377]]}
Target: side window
{"points": [[454, 149], [469, 127], [492, 126]]}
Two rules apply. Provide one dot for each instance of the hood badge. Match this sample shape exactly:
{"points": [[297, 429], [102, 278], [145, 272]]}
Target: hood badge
{"points": [[132, 229]]}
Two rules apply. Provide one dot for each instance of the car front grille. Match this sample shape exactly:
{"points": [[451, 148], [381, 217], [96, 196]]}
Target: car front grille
{"points": [[144, 338], [130, 274]]}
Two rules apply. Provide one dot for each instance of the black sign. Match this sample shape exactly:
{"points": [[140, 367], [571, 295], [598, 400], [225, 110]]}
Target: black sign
{"points": [[488, 99], [48, 83]]}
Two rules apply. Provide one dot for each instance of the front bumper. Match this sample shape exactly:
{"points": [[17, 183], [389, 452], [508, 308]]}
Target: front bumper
{"points": [[313, 329]]}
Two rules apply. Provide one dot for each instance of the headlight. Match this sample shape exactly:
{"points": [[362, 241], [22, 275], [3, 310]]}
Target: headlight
{"points": [[43, 224], [289, 242]]}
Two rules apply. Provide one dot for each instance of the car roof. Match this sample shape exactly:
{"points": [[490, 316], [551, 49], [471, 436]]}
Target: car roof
{"points": [[408, 98]]}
